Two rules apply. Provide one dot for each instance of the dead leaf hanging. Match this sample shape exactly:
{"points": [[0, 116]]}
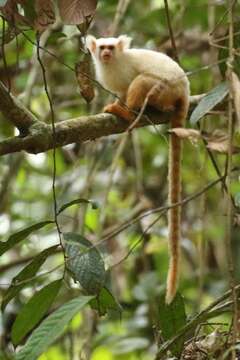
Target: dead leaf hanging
{"points": [[183, 133], [11, 13], [218, 141], [84, 75], [74, 12], [45, 15]]}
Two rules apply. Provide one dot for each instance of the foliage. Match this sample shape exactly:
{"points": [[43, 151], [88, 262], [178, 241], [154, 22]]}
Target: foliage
{"points": [[105, 201]]}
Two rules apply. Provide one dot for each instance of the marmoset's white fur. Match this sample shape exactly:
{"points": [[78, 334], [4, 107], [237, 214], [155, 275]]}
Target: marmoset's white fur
{"points": [[136, 75], [126, 64]]}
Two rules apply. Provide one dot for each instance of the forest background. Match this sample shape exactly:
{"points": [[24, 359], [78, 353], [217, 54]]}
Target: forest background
{"points": [[83, 197]]}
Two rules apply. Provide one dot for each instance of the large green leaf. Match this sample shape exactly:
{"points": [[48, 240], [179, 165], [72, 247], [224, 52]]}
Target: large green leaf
{"points": [[85, 262], [208, 102], [34, 310], [51, 328], [21, 235], [105, 301], [78, 201], [24, 277], [172, 318]]}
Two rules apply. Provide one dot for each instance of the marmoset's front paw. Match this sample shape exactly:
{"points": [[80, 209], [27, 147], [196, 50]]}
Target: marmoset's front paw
{"points": [[120, 111], [109, 108]]}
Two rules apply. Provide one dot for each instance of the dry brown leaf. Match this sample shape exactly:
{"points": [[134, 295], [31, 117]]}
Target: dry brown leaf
{"points": [[11, 14], [216, 136], [9, 9], [74, 12], [222, 148], [191, 134], [221, 145], [236, 97], [218, 141], [211, 343], [84, 75], [40, 21], [45, 14]]}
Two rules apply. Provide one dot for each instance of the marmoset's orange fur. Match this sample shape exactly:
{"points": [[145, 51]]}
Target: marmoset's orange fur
{"points": [[134, 75]]}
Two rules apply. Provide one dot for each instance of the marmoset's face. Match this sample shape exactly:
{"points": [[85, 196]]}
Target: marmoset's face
{"points": [[106, 50], [106, 53]]}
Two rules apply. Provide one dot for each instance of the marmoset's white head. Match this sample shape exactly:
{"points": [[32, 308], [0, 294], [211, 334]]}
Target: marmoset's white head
{"points": [[106, 50]]}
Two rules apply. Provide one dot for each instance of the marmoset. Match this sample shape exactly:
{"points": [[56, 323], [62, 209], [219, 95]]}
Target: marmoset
{"points": [[137, 76]]}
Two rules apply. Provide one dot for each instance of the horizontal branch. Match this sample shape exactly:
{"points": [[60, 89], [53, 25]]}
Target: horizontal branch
{"points": [[84, 128], [36, 136]]}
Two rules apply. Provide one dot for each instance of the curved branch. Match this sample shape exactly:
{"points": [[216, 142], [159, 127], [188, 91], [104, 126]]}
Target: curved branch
{"points": [[14, 111]]}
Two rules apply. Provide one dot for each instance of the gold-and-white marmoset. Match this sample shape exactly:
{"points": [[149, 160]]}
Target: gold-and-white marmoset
{"points": [[134, 75]]}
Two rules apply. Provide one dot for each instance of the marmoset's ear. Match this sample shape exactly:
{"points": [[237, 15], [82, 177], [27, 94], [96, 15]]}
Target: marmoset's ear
{"points": [[91, 43], [124, 42]]}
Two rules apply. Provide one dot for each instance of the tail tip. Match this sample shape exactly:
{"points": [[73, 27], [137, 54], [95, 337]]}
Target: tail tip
{"points": [[170, 295]]}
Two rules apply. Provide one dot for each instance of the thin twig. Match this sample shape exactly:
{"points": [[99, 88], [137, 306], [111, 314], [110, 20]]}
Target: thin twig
{"points": [[162, 210], [171, 31], [31, 81], [55, 207], [214, 163], [223, 17], [200, 317]]}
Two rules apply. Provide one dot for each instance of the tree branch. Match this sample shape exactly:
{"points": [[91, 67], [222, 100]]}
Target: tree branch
{"points": [[15, 112], [80, 129], [36, 136]]}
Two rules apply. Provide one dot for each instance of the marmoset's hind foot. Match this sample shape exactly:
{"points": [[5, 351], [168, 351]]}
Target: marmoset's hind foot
{"points": [[120, 111]]}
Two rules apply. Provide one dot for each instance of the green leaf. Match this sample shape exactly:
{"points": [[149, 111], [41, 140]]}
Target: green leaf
{"points": [[78, 201], [34, 310], [85, 262], [3, 2], [53, 38], [51, 328], [172, 318], [21, 235], [215, 96], [24, 277], [104, 302]]}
